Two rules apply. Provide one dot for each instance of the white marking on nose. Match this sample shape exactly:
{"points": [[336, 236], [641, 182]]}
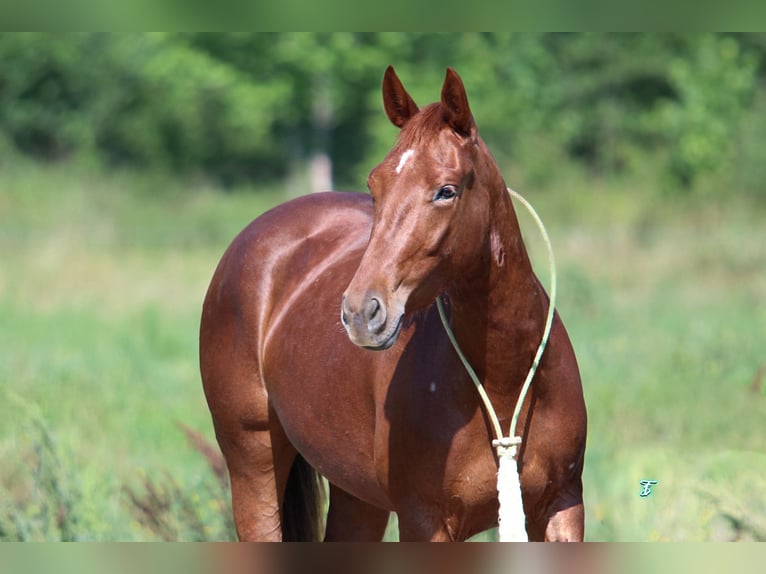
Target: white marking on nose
{"points": [[432, 387], [403, 160]]}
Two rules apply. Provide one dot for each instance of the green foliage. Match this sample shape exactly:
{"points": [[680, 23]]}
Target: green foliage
{"points": [[254, 106], [165, 510], [703, 120], [42, 496], [147, 100], [44, 505]]}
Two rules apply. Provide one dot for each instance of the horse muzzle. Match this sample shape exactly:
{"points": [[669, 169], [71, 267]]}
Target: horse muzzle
{"points": [[369, 322]]}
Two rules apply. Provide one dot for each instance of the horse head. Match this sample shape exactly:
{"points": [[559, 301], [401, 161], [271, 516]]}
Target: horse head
{"points": [[432, 199]]}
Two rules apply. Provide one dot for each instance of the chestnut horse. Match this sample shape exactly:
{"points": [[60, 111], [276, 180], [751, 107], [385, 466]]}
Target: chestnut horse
{"points": [[295, 385]]}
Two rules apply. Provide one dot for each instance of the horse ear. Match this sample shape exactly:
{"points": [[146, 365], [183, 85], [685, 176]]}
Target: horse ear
{"points": [[455, 105], [400, 107]]}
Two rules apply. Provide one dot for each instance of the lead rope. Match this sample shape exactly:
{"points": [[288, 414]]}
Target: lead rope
{"points": [[511, 517]]}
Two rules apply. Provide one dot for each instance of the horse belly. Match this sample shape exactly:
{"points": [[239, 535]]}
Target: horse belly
{"points": [[327, 413], [320, 385]]}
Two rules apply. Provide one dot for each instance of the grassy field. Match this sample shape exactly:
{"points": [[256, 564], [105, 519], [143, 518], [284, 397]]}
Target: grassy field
{"points": [[101, 283]]}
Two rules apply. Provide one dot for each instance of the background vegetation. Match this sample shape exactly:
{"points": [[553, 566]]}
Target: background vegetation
{"points": [[239, 107], [128, 162]]}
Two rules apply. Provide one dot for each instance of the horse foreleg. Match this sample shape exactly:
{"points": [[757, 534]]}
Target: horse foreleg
{"points": [[352, 520], [421, 523], [566, 525]]}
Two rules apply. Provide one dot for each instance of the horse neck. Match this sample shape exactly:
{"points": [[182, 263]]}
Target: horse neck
{"points": [[498, 313]]}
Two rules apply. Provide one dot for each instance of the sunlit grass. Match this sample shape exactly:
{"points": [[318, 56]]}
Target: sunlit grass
{"points": [[100, 295]]}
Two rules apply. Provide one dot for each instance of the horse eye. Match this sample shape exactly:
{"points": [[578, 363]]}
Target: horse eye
{"points": [[445, 192]]}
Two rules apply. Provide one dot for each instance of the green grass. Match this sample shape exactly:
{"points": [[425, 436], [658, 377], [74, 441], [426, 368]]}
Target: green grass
{"points": [[100, 296], [101, 282], [665, 304]]}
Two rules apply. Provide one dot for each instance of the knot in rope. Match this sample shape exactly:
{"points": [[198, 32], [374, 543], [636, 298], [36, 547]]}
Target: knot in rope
{"points": [[506, 445]]}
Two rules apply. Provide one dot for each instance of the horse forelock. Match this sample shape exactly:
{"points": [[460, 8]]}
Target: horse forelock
{"points": [[418, 134], [422, 127]]}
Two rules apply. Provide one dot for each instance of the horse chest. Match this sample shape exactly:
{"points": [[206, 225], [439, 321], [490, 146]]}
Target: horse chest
{"points": [[449, 499], [436, 452]]}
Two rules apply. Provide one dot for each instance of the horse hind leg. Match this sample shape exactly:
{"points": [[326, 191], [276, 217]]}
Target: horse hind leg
{"points": [[274, 492], [258, 473], [257, 454]]}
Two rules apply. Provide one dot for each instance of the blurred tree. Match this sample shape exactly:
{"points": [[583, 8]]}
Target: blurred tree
{"points": [[328, 78], [245, 106], [42, 97]]}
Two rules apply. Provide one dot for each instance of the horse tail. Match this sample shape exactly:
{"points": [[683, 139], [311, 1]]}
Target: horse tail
{"points": [[303, 504]]}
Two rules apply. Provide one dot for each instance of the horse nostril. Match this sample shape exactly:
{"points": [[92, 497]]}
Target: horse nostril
{"points": [[343, 316], [374, 307], [376, 315]]}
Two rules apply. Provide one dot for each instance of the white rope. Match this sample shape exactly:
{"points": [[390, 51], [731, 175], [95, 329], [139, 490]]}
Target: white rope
{"points": [[511, 519]]}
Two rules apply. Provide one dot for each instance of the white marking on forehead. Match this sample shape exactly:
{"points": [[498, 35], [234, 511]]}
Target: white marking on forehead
{"points": [[403, 160]]}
